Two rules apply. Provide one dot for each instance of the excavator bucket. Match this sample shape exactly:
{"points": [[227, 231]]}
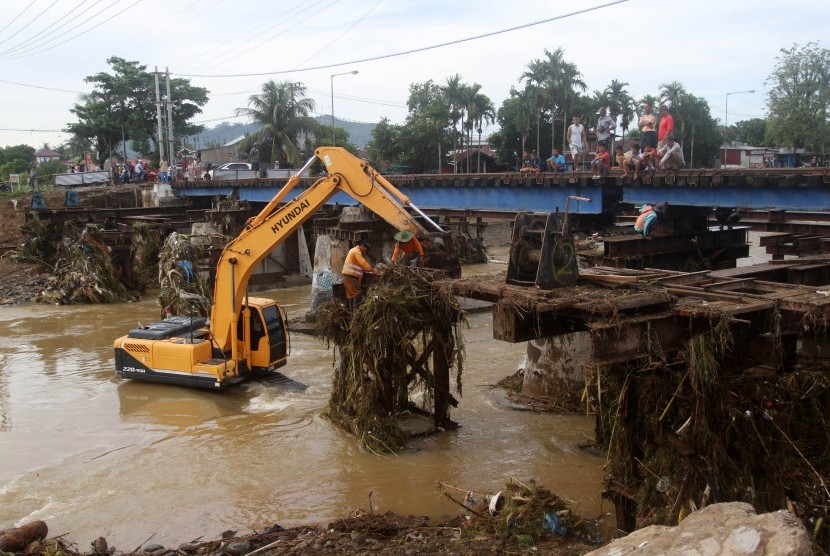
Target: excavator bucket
{"points": [[441, 253], [542, 251]]}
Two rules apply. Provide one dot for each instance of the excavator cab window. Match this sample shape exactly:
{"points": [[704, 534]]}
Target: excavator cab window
{"points": [[276, 331]]}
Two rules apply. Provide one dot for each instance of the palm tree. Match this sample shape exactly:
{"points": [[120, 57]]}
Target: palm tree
{"points": [[620, 103], [571, 81], [539, 80], [520, 109], [284, 114], [480, 112], [455, 98]]}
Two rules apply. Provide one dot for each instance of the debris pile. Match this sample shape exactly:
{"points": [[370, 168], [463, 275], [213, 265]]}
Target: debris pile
{"points": [[40, 241], [470, 250], [182, 289], [522, 515], [83, 271], [144, 251], [384, 351], [688, 431]]}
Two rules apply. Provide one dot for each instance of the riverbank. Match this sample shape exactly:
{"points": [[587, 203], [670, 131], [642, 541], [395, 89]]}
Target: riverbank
{"points": [[522, 518]]}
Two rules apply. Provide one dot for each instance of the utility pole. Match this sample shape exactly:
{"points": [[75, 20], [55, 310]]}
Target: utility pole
{"points": [[171, 152], [158, 117]]}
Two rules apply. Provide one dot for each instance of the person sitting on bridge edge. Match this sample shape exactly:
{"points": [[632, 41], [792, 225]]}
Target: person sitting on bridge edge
{"points": [[646, 220], [355, 265], [601, 161], [670, 155], [556, 162], [408, 249], [531, 163]]}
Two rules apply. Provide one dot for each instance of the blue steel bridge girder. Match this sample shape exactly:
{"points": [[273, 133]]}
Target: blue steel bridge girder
{"points": [[537, 198], [795, 197], [795, 189]]}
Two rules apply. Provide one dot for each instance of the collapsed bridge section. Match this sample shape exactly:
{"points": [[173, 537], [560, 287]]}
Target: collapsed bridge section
{"points": [[705, 388]]}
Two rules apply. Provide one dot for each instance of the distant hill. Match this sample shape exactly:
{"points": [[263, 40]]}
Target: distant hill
{"points": [[360, 133]]}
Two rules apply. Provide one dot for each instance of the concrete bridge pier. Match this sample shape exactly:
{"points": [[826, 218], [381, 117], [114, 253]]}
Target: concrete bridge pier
{"points": [[554, 367]]}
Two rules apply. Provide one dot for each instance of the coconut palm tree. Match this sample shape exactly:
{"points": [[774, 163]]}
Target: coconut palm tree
{"points": [[569, 81], [284, 113], [454, 93], [480, 112], [520, 109], [620, 104], [539, 81]]}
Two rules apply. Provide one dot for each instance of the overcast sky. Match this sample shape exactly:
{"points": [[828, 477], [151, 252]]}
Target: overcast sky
{"points": [[712, 46]]}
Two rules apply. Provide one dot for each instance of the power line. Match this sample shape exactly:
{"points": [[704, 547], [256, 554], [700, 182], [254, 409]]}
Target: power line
{"points": [[17, 17], [285, 17], [31, 41], [38, 16], [34, 130], [341, 35], [415, 50], [79, 34], [310, 16], [40, 87]]}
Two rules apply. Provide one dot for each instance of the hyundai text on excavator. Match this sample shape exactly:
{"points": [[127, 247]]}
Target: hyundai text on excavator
{"points": [[246, 335]]}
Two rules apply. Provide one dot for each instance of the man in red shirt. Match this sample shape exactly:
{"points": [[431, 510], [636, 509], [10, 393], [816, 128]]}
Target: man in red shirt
{"points": [[601, 162], [666, 126]]}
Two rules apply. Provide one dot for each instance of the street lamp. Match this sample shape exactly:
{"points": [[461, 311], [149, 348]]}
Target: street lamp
{"points": [[353, 72], [726, 120], [726, 117]]}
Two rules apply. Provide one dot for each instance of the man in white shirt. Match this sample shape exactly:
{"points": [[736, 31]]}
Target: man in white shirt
{"points": [[670, 155], [577, 139]]}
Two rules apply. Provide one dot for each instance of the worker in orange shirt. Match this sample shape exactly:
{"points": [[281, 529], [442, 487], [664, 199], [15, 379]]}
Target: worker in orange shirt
{"points": [[407, 248], [354, 267]]}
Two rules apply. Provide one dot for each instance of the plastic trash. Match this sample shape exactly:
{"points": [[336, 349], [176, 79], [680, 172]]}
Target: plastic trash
{"points": [[553, 523]]}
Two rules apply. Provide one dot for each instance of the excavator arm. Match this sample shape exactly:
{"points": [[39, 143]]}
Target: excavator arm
{"points": [[275, 223]]}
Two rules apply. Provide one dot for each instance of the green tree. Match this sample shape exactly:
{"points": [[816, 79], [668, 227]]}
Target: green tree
{"points": [[16, 166], [283, 112], [798, 100], [703, 134], [47, 170], [454, 94], [620, 103], [122, 106], [24, 153], [558, 83], [515, 118], [428, 133], [752, 131], [341, 136], [384, 147], [481, 113]]}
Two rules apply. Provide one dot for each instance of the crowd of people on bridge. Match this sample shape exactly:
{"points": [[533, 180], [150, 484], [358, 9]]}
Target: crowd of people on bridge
{"points": [[657, 148]]}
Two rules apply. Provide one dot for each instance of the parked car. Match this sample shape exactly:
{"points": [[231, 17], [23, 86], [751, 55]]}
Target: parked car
{"points": [[232, 166]]}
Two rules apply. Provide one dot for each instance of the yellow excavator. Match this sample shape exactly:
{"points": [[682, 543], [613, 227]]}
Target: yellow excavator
{"points": [[247, 335]]}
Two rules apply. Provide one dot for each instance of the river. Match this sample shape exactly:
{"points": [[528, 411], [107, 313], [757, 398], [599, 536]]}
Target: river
{"points": [[93, 454]]}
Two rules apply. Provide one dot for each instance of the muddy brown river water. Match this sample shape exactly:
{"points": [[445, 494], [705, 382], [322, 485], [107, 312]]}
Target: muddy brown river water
{"points": [[92, 454]]}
